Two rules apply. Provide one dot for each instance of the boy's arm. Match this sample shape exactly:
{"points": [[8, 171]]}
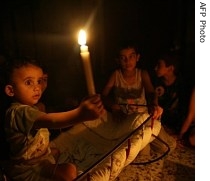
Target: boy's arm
{"points": [[108, 86], [89, 109], [107, 98], [190, 116]]}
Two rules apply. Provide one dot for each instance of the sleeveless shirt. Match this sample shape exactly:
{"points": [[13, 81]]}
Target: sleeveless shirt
{"points": [[131, 97]]}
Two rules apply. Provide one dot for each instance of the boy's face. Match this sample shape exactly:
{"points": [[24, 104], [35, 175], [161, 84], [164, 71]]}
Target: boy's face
{"points": [[26, 84], [161, 69], [128, 58]]}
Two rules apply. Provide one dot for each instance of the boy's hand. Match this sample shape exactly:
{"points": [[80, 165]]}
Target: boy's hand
{"points": [[156, 111], [91, 108]]}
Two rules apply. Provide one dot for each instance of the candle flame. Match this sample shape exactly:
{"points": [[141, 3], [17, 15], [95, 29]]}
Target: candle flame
{"points": [[82, 37]]}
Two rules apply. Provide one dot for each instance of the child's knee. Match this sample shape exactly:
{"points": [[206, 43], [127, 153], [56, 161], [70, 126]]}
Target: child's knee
{"points": [[65, 172], [71, 171]]}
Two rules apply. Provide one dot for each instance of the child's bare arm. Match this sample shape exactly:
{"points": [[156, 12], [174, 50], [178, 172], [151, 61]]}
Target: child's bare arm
{"points": [[108, 101], [89, 109], [109, 85], [190, 116]]}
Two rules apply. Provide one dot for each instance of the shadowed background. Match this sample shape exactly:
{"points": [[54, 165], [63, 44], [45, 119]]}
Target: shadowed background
{"points": [[48, 30]]}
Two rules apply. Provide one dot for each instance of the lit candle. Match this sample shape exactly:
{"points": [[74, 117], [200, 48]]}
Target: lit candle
{"points": [[85, 55]]}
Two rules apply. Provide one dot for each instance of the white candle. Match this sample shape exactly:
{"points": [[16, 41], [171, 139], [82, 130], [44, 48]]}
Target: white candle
{"points": [[85, 55]]}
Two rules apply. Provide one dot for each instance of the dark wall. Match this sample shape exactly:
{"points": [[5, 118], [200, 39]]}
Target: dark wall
{"points": [[47, 30]]}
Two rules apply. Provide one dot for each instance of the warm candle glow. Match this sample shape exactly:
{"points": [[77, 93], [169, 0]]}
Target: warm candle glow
{"points": [[82, 37], [85, 55]]}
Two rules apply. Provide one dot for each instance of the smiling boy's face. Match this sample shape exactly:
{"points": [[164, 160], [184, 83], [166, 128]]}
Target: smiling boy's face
{"points": [[26, 84]]}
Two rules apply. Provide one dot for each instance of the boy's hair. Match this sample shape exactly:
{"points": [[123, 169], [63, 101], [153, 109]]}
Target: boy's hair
{"points": [[128, 44], [18, 62], [171, 58]]}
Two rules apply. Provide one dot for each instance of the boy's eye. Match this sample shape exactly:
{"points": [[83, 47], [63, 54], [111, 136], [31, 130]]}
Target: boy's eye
{"points": [[29, 82], [40, 81], [131, 56], [122, 58]]}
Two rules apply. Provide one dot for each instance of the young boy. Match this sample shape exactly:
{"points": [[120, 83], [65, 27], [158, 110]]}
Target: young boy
{"points": [[26, 127], [133, 91], [174, 97], [171, 90]]}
